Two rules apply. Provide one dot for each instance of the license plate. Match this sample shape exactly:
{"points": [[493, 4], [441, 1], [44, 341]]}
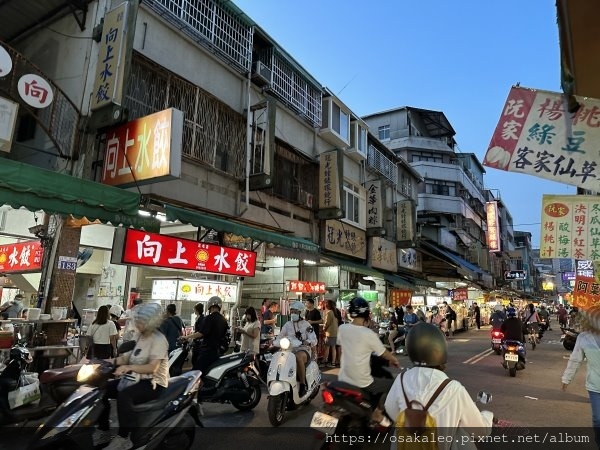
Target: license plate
{"points": [[496, 341], [323, 422], [511, 357]]}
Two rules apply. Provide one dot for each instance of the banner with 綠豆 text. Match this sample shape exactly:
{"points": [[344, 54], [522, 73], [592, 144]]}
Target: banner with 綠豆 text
{"points": [[537, 135], [570, 227]]}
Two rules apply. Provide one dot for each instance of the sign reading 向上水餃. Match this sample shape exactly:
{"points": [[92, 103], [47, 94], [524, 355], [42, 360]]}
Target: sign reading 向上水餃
{"points": [[570, 227], [21, 257], [537, 135]]}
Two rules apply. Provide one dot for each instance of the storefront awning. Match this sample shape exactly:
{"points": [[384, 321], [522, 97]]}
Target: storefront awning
{"points": [[40, 189], [422, 282], [453, 259], [354, 266], [398, 281], [198, 218]]}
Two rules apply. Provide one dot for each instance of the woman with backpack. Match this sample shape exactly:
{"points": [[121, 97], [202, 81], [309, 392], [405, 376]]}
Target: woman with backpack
{"points": [[451, 411]]}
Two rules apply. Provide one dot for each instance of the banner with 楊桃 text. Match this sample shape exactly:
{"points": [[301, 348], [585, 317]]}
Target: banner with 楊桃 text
{"points": [[570, 227], [537, 135]]}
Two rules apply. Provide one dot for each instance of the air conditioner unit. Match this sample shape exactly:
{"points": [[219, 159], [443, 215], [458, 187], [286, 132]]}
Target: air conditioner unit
{"points": [[261, 74]]}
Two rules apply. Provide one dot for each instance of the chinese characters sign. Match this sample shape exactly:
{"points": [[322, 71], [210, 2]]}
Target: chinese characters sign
{"points": [[586, 293], [35, 91], [144, 150], [399, 297], [193, 290], [570, 227], [21, 257], [306, 287], [493, 228], [459, 294], [374, 204], [149, 249], [340, 237], [383, 254], [536, 135], [409, 258], [329, 192], [405, 222], [108, 84]]}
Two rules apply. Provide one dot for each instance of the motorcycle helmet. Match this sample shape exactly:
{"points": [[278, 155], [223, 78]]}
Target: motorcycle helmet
{"points": [[511, 312], [435, 310], [426, 345], [498, 307], [298, 306], [20, 354], [116, 311], [359, 307], [214, 301], [148, 314]]}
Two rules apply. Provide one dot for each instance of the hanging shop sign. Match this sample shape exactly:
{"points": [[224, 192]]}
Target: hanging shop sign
{"points": [[493, 227], [586, 293], [342, 238], [139, 248], [8, 121], [537, 135], [406, 223], [409, 258], [193, 290], [383, 254], [374, 204], [145, 150], [570, 227], [35, 91], [306, 287], [21, 257], [515, 275], [5, 62], [330, 201], [399, 297], [459, 294]]}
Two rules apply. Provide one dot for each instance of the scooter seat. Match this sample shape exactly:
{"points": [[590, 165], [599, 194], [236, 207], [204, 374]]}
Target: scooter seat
{"points": [[65, 373], [176, 387]]}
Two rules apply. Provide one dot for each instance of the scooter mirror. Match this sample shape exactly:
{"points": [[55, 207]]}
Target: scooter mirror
{"points": [[484, 397]]}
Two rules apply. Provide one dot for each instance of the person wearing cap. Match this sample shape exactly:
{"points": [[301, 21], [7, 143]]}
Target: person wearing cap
{"points": [[148, 361], [300, 329], [12, 309], [212, 332]]}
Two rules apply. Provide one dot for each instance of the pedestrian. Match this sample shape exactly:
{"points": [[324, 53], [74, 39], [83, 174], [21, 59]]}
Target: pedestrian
{"points": [[172, 326], [12, 309], [263, 308], [312, 314], [269, 318], [212, 332], [410, 318], [450, 319], [330, 326], [453, 410], [103, 336], [197, 342], [250, 332], [587, 346], [477, 313], [562, 316]]}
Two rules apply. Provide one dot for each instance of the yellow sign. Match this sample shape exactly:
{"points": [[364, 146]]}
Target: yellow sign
{"points": [[493, 233], [340, 237]]}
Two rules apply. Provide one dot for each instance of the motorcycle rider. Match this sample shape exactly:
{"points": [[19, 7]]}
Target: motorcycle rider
{"points": [[497, 317], [512, 327], [437, 318], [544, 316], [453, 410], [358, 342], [212, 332], [300, 329]]}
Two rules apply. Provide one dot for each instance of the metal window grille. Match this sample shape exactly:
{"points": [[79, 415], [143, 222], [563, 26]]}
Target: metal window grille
{"points": [[382, 164]]}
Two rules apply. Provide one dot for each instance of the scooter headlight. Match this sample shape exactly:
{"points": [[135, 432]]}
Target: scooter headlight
{"points": [[86, 371], [285, 343]]}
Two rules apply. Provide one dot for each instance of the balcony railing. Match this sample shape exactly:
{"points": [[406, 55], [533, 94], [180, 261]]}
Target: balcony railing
{"points": [[382, 164]]}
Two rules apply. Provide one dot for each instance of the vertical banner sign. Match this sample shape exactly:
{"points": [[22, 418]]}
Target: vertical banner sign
{"points": [[8, 120], [570, 227], [374, 204], [399, 297], [536, 135], [383, 254], [405, 222], [108, 84], [329, 192], [493, 232], [586, 293]]}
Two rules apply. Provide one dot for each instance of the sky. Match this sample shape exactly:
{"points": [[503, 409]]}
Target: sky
{"points": [[457, 57]]}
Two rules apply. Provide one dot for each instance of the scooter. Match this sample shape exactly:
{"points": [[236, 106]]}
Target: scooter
{"points": [[232, 379], [399, 340], [169, 422], [513, 356], [497, 337], [178, 357], [284, 389], [347, 409]]}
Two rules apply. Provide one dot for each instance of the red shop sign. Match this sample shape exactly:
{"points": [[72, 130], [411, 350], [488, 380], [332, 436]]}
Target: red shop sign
{"points": [[459, 294], [21, 257], [149, 249], [306, 287]]}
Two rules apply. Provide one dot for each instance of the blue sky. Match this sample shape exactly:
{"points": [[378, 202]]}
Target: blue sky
{"points": [[458, 57]]}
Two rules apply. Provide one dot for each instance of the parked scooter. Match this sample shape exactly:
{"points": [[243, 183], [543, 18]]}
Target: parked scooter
{"points": [[232, 379], [284, 389], [399, 340], [178, 357], [168, 422], [513, 356], [568, 338], [497, 337]]}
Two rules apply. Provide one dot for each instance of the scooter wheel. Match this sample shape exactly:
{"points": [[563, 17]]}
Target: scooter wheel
{"points": [[497, 351], [568, 345], [512, 371], [276, 409], [252, 401]]}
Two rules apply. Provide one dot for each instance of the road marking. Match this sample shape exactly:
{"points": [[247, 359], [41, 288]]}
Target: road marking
{"points": [[461, 340], [479, 356]]}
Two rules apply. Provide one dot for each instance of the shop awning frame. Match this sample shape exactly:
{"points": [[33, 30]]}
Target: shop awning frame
{"points": [[210, 221], [24, 185], [454, 259], [362, 269]]}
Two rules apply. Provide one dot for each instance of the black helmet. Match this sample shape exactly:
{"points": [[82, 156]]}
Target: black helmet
{"points": [[426, 345], [21, 354], [359, 307]]}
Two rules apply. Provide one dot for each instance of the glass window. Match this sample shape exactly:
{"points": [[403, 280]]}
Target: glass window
{"points": [[354, 202], [384, 132]]}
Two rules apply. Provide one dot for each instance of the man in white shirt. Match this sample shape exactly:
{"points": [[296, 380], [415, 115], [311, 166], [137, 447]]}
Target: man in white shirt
{"points": [[358, 343]]}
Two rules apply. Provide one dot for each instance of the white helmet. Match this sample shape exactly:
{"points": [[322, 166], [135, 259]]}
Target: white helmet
{"points": [[214, 301], [498, 307], [297, 305], [116, 310]]}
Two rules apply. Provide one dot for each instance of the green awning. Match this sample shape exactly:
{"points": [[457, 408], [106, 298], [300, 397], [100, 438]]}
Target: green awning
{"points": [[398, 281], [205, 220], [354, 266], [40, 189]]}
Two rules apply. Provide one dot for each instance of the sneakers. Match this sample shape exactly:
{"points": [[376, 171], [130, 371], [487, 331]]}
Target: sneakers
{"points": [[330, 365], [119, 443], [101, 437]]}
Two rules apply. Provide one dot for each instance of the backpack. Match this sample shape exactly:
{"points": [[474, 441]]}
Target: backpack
{"points": [[415, 427]]}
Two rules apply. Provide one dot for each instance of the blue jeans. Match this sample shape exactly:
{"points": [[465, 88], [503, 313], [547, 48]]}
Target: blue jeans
{"points": [[595, 401]]}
